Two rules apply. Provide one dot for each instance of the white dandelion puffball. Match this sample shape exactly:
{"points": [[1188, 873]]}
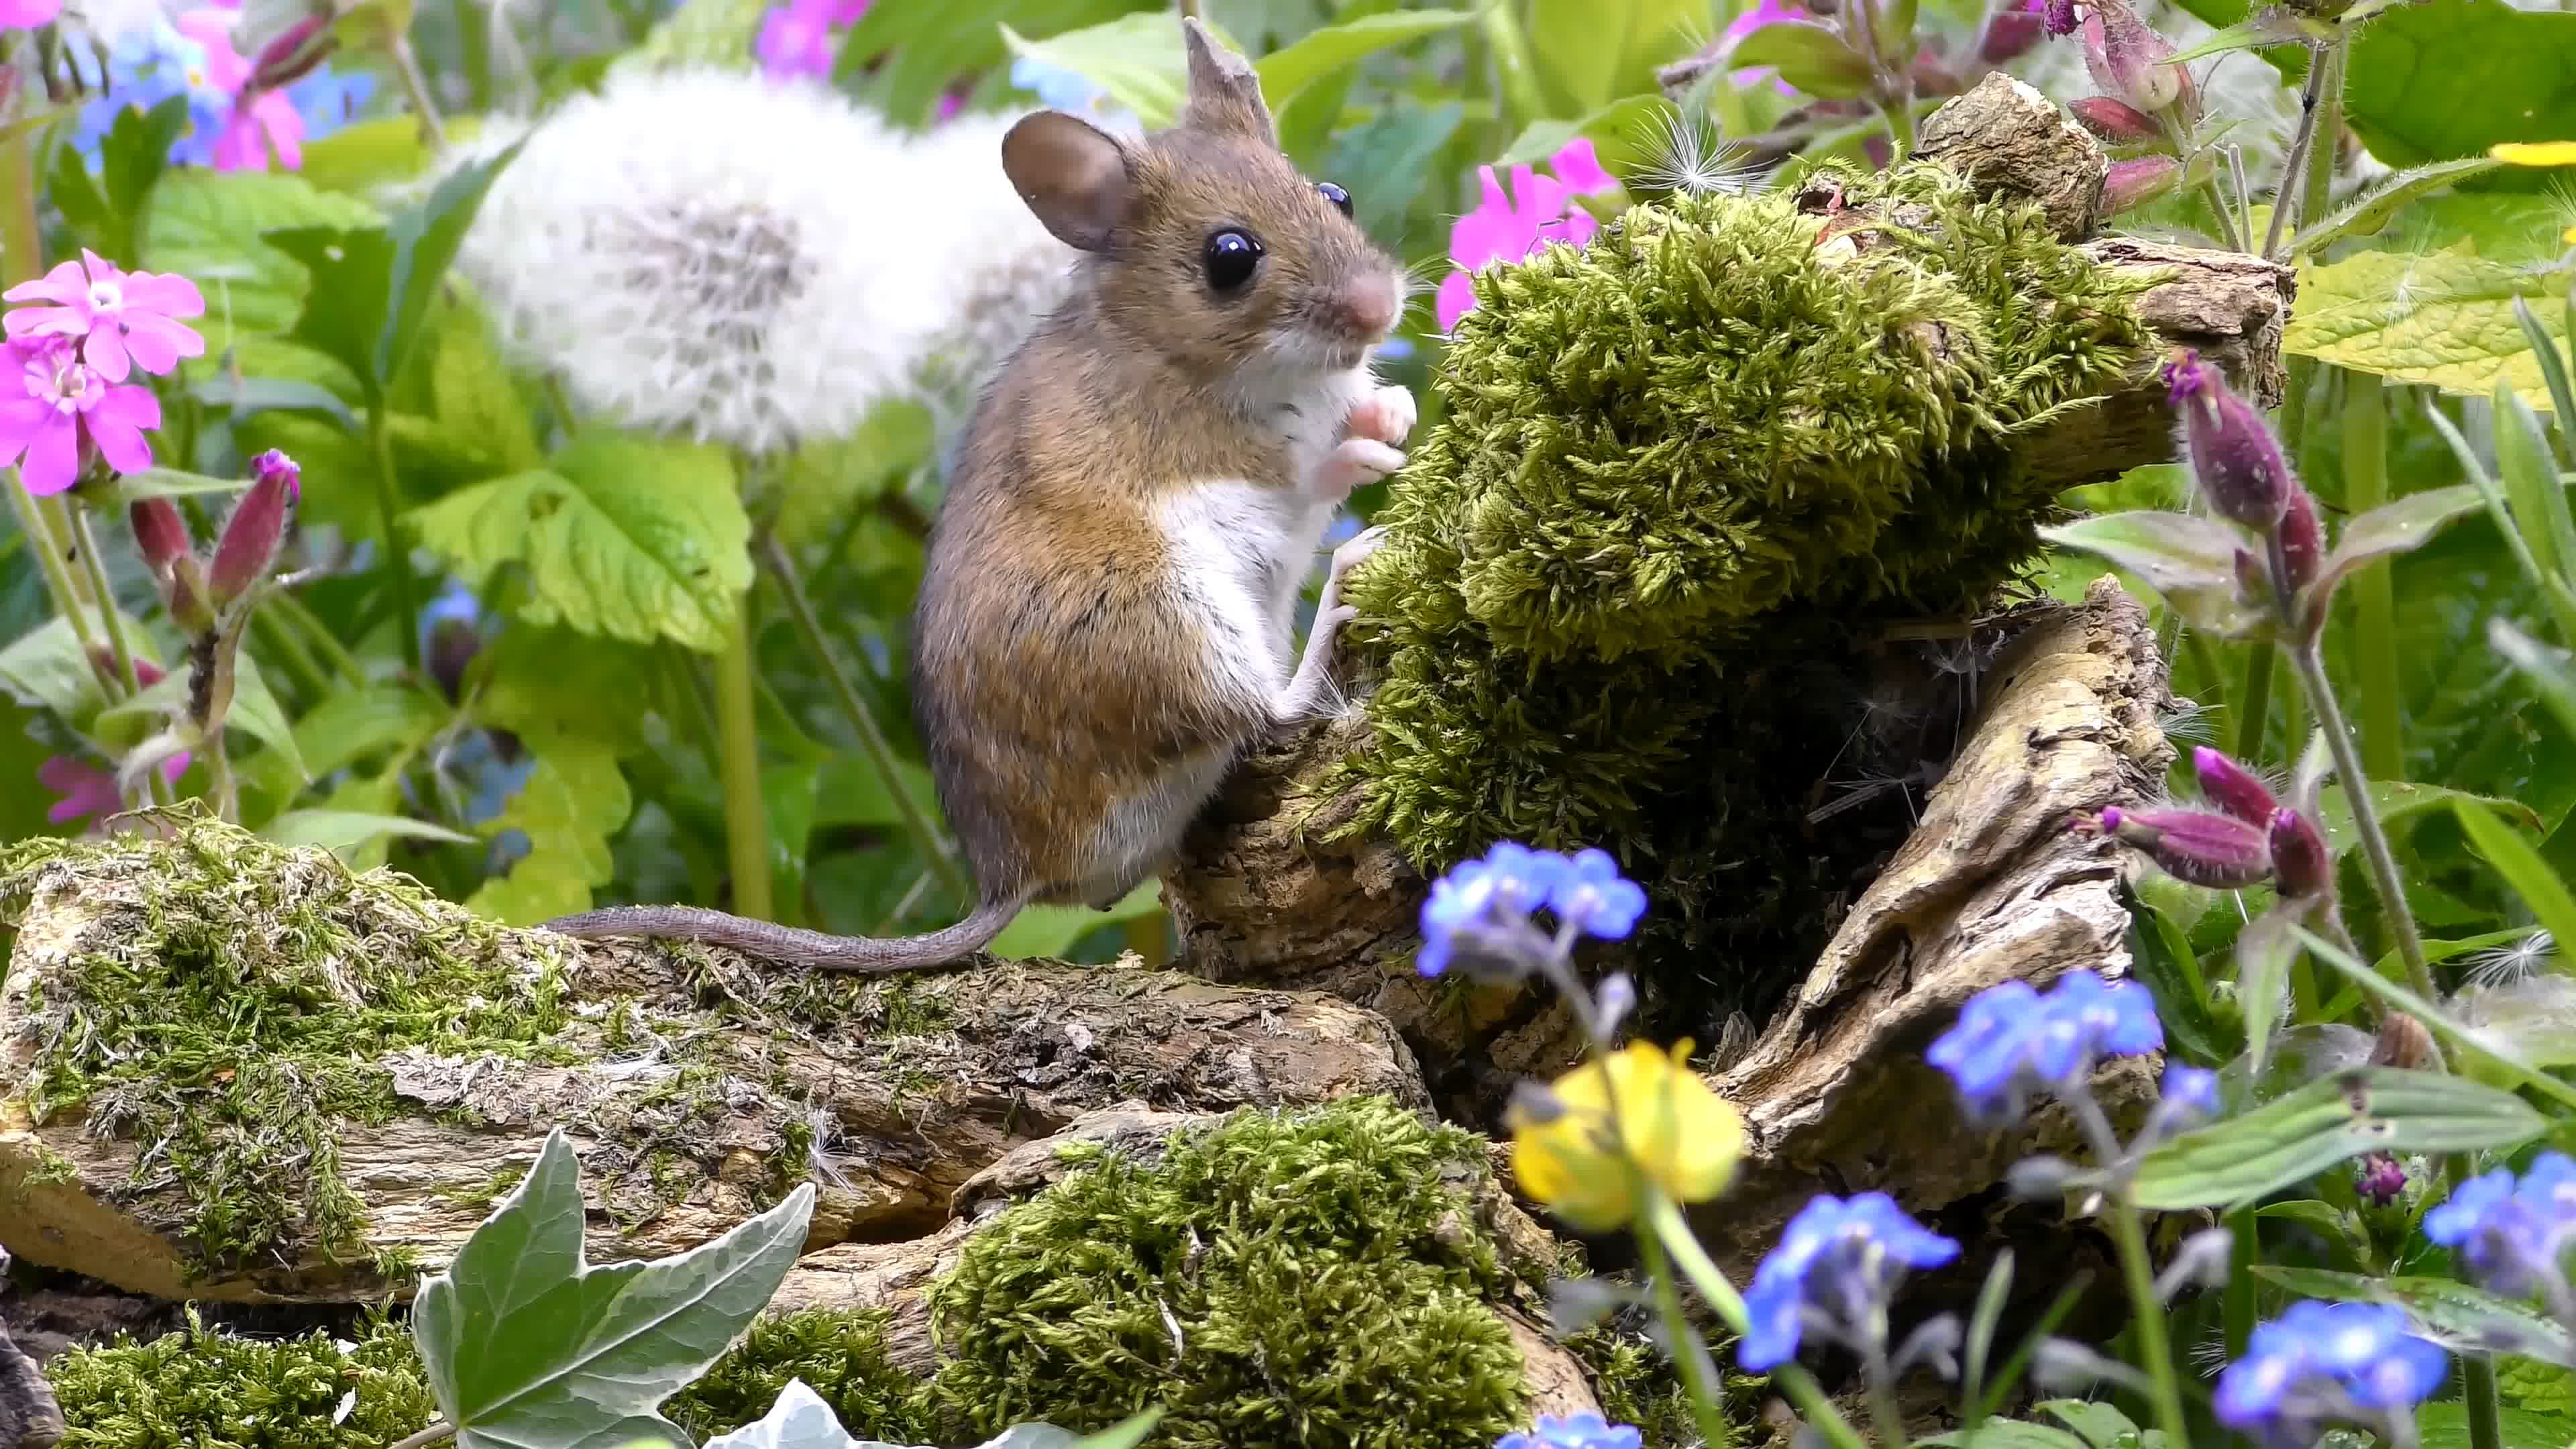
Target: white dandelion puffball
{"points": [[712, 253]]}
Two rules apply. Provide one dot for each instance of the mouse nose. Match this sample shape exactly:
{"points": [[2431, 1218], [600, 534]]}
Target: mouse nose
{"points": [[1369, 308]]}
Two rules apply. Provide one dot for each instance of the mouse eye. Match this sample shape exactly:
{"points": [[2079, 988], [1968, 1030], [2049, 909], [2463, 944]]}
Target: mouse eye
{"points": [[1337, 196], [1231, 255]]}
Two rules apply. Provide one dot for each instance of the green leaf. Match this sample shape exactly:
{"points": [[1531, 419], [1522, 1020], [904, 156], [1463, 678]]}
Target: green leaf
{"points": [[1138, 59], [2288, 1141], [209, 226], [478, 399], [167, 483], [2161, 959], [1125, 1434], [132, 156], [2446, 1426], [2446, 319], [2553, 370], [2100, 1425], [247, 396], [2264, 953], [574, 800], [366, 155], [2344, 1235], [2529, 471], [2432, 82], [901, 58], [2393, 528], [621, 536], [1052, 930], [350, 725], [2545, 667], [525, 1342], [2276, 26], [1809, 56], [2399, 804], [373, 285], [346, 833], [2479, 1047], [1589, 52], [1287, 72], [2366, 216], [45, 668], [1622, 134], [2539, 886], [2448, 1307], [255, 711], [2007, 1434], [2168, 550]]}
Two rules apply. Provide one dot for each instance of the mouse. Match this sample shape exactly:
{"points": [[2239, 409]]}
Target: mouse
{"points": [[1107, 614]]}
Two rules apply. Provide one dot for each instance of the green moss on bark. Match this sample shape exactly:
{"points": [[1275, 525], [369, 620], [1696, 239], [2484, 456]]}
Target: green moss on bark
{"points": [[1684, 473]]}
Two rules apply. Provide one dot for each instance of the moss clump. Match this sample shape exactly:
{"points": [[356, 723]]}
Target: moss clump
{"points": [[211, 1390], [1281, 1280], [841, 1356], [1684, 472], [236, 1024]]}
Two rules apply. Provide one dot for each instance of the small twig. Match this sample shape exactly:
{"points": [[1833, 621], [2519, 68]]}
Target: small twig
{"points": [[435, 1433], [417, 85]]}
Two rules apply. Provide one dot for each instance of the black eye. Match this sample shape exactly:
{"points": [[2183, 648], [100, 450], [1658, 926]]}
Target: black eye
{"points": [[1231, 255], [1336, 195]]}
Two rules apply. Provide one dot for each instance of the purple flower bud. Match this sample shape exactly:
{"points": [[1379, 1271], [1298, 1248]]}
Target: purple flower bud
{"points": [[2233, 452], [296, 53], [2196, 846], [2300, 865], [2061, 17], [2116, 121], [252, 535], [2381, 1179], [159, 532], [2010, 35], [2303, 539], [2253, 580], [2137, 182], [2129, 60], [2233, 788]]}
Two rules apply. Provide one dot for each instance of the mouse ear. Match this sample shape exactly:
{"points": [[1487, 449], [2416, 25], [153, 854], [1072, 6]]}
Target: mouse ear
{"points": [[1225, 91], [1072, 174]]}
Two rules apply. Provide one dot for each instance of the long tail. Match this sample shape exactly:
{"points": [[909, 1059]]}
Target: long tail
{"points": [[790, 946]]}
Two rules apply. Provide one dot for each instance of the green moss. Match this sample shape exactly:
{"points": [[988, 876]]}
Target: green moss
{"points": [[1281, 1280], [212, 1390], [237, 1022], [841, 1356], [1685, 475]]}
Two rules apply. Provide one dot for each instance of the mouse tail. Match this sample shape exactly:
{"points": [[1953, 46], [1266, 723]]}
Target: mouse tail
{"points": [[790, 946]]}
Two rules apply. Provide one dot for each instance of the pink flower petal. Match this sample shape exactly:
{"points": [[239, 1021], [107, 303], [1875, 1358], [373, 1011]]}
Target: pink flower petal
{"points": [[28, 14], [1576, 230], [277, 116], [1763, 14], [166, 293], [106, 353], [52, 463], [1492, 232], [85, 789], [1536, 201], [64, 284], [20, 420], [121, 444], [52, 321], [156, 342], [129, 406], [1457, 298], [1579, 167]]}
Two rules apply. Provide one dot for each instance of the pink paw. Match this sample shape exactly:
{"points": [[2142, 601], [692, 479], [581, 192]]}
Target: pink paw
{"points": [[1385, 416]]}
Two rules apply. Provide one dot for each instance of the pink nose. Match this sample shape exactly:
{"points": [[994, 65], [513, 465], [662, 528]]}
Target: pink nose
{"points": [[1369, 309]]}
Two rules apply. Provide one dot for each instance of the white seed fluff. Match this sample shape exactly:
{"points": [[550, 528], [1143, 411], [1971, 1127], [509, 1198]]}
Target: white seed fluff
{"points": [[708, 252]]}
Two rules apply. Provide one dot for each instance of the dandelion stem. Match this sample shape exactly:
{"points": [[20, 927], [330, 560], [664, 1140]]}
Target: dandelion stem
{"points": [[1663, 1221], [397, 557], [1694, 1371], [2309, 661], [936, 850], [746, 815], [407, 65]]}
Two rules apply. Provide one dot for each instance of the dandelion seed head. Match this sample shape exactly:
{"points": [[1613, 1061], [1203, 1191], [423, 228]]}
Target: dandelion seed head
{"points": [[2514, 961], [1685, 153]]}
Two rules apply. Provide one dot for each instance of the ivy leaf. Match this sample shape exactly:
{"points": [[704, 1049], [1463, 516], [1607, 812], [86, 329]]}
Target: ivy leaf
{"points": [[2292, 1139], [208, 225], [575, 798], [525, 1342], [621, 536], [373, 285], [2445, 319]]}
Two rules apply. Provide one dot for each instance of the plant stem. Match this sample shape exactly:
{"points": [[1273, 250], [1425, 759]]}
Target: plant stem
{"points": [[738, 771], [435, 1433], [2373, 588], [1883, 1412], [2316, 193], [397, 558], [2130, 1237], [85, 543], [291, 651], [1663, 1220], [2216, 196], [219, 779], [320, 636], [2478, 1391], [2382, 861], [2238, 1307], [1668, 1301], [2293, 173], [935, 848], [417, 86]]}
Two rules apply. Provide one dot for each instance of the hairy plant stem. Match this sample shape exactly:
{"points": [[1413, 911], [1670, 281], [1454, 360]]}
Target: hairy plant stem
{"points": [[380, 439], [319, 635], [2129, 1237], [129, 680], [2374, 587], [2237, 1311], [1663, 1219], [2324, 69], [936, 850], [2309, 661], [2485, 1411], [1704, 1395], [746, 814], [416, 85]]}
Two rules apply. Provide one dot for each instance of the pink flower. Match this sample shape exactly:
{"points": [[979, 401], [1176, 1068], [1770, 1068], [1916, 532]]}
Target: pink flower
{"points": [[66, 404], [1754, 19], [1508, 228], [88, 790], [123, 316], [260, 121], [28, 14], [796, 38]]}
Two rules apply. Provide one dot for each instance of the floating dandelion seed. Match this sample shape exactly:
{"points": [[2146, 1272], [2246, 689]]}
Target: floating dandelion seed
{"points": [[1686, 153], [2514, 961], [684, 267]]}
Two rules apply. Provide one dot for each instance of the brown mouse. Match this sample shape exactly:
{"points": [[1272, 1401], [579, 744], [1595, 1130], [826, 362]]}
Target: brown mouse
{"points": [[1107, 614]]}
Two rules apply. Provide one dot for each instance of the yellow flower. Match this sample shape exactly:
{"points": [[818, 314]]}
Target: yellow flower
{"points": [[1673, 1132], [2534, 153]]}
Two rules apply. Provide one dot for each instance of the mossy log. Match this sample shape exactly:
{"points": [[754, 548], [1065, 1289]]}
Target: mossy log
{"points": [[239, 1072]]}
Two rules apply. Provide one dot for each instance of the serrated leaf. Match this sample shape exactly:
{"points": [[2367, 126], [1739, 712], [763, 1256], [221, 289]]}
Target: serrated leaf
{"points": [[621, 536], [525, 1342], [2445, 319], [2172, 552], [574, 800], [478, 399], [2451, 1309], [346, 833], [208, 225], [1138, 59], [2366, 216], [1811, 57], [1052, 930], [2286, 1142], [1289, 70]]}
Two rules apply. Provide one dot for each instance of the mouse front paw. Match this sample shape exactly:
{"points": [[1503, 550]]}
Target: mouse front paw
{"points": [[1353, 462], [1384, 416]]}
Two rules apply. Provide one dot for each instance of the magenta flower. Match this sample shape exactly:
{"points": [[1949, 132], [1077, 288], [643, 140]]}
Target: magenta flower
{"points": [[1754, 19], [121, 317], [1504, 229], [28, 14], [87, 790], [260, 121], [66, 404], [796, 38]]}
